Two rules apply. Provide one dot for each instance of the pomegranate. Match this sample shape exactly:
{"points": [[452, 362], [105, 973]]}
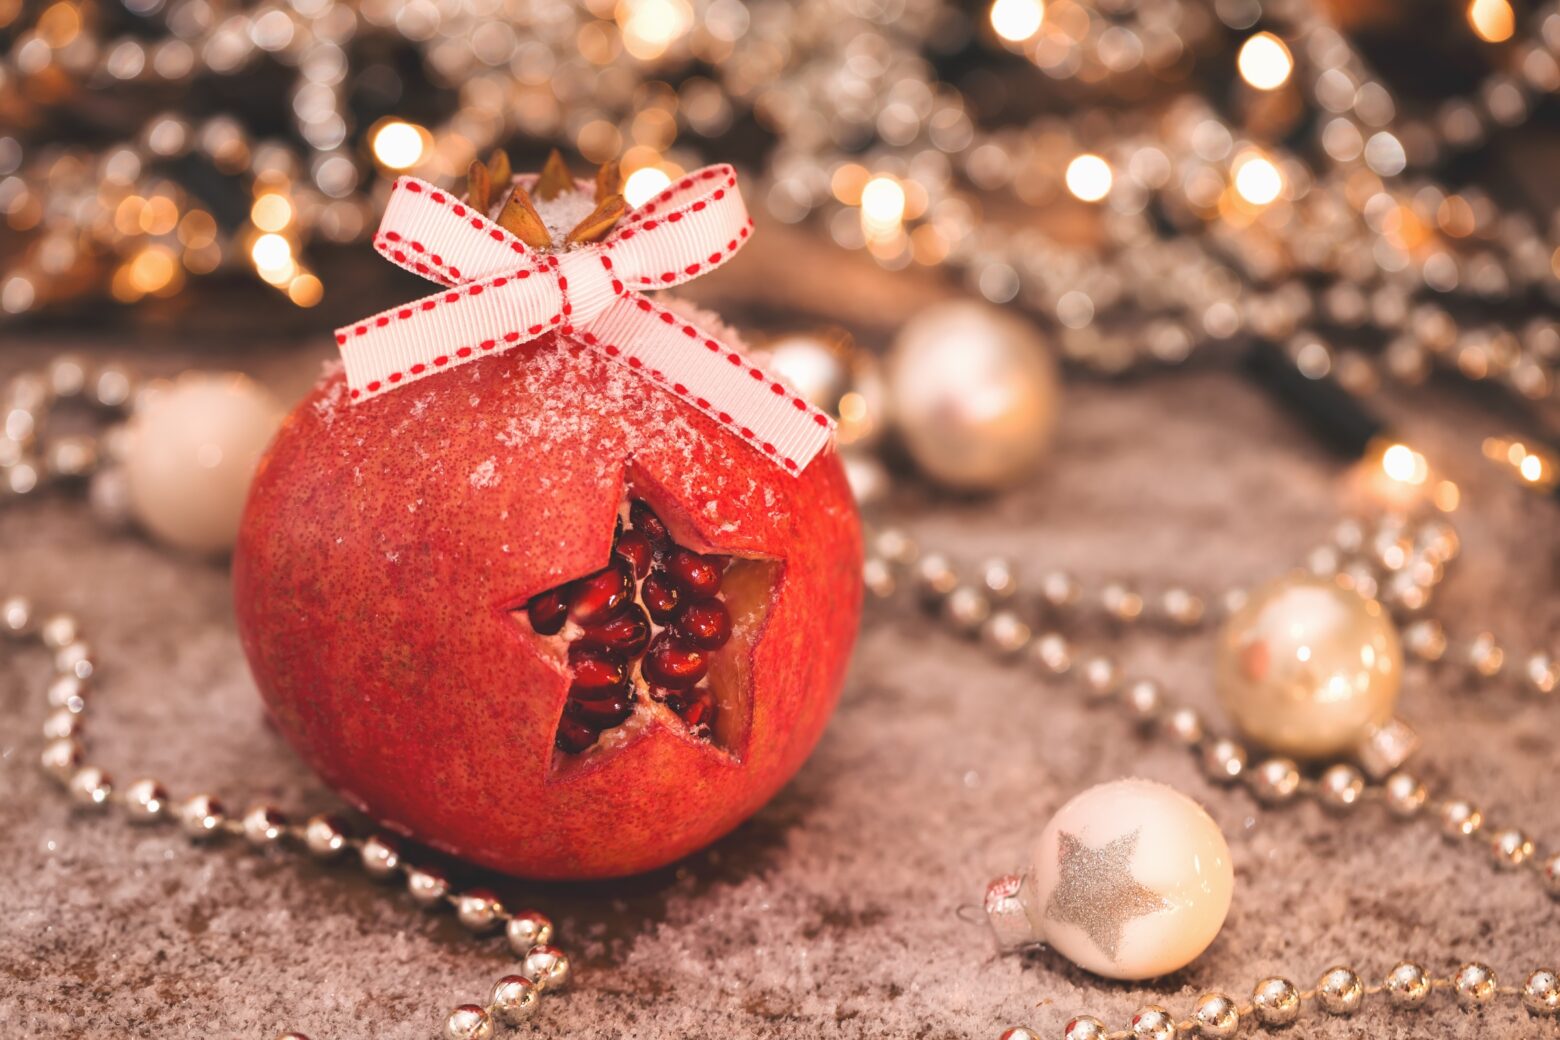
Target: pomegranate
{"points": [[538, 614]]}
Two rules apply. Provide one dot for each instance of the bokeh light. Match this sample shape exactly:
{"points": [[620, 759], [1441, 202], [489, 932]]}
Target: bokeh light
{"points": [[1493, 20], [644, 184], [1089, 177], [1265, 62], [1017, 20], [1404, 465], [272, 211], [1257, 180], [882, 207], [399, 145]]}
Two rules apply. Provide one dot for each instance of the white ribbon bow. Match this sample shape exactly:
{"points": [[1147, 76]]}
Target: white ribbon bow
{"points": [[501, 294]]}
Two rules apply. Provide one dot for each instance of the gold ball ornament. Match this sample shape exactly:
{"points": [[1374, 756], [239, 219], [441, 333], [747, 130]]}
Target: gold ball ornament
{"points": [[974, 394], [1308, 667]]}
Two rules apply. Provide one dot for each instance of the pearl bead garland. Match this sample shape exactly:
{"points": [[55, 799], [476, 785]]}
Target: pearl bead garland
{"points": [[202, 817]]}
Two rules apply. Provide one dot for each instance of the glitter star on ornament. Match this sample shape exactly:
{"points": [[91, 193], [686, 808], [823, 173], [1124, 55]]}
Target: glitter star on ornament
{"points": [[1097, 890]]}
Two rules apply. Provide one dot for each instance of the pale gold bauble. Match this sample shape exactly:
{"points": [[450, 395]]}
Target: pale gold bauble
{"points": [[973, 393], [1308, 668], [191, 450]]}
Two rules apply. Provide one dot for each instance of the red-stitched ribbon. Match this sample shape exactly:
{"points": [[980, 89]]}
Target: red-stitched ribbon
{"points": [[499, 294]]}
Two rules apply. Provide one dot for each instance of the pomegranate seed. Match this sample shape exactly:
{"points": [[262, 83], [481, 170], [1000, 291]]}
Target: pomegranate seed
{"points": [[660, 597], [634, 546], [547, 613], [625, 635], [699, 708], [602, 596], [706, 625], [698, 575], [573, 736], [596, 673], [601, 713], [671, 698], [644, 519], [671, 662]]}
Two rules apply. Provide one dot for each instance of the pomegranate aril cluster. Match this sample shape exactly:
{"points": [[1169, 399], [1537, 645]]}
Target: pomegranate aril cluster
{"points": [[653, 614]]}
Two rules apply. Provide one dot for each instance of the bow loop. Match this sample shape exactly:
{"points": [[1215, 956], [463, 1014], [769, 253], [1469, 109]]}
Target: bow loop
{"points": [[431, 233], [689, 229], [498, 293]]}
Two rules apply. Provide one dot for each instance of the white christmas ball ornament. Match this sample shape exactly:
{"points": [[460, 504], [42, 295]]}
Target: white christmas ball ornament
{"points": [[1308, 667], [1131, 880], [973, 392], [190, 452]]}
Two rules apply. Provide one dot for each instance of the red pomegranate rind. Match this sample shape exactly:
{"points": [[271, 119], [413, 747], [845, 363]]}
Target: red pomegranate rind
{"points": [[386, 545]]}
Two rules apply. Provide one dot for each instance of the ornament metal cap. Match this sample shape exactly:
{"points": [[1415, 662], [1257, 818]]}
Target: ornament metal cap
{"points": [[1005, 913]]}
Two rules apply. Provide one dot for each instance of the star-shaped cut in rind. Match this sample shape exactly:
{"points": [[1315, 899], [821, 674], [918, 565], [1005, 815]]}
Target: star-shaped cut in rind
{"points": [[1097, 892], [662, 635]]}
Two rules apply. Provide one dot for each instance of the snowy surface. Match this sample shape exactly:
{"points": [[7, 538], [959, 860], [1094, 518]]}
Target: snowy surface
{"points": [[840, 911]]}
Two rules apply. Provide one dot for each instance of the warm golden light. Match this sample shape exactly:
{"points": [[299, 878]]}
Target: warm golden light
{"points": [[1404, 465], [848, 181], [153, 270], [1493, 20], [305, 290], [644, 184], [651, 26], [1089, 177], [1265, 62], [882, 207], [1017, 20], [59, 25], [271, 212], [1536, 467], [273, 258], [1257, 179], [399, 145]]}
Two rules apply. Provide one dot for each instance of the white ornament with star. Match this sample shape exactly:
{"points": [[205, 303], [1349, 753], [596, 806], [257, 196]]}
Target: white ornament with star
{"points": [[1131, 880]]}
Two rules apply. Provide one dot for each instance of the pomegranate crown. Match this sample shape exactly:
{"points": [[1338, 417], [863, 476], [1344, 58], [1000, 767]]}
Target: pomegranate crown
{"points": [[519, 215]]}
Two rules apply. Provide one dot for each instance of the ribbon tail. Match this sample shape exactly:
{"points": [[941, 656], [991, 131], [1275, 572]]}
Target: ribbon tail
{"points": [[713, 377]]}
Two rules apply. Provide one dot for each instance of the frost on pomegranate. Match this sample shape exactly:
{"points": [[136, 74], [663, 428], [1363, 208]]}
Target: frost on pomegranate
{"points": [[660, 635]]}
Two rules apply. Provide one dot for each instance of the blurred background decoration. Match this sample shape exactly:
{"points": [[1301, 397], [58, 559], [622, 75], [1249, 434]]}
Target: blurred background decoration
{"points": [[1370, 187]]}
